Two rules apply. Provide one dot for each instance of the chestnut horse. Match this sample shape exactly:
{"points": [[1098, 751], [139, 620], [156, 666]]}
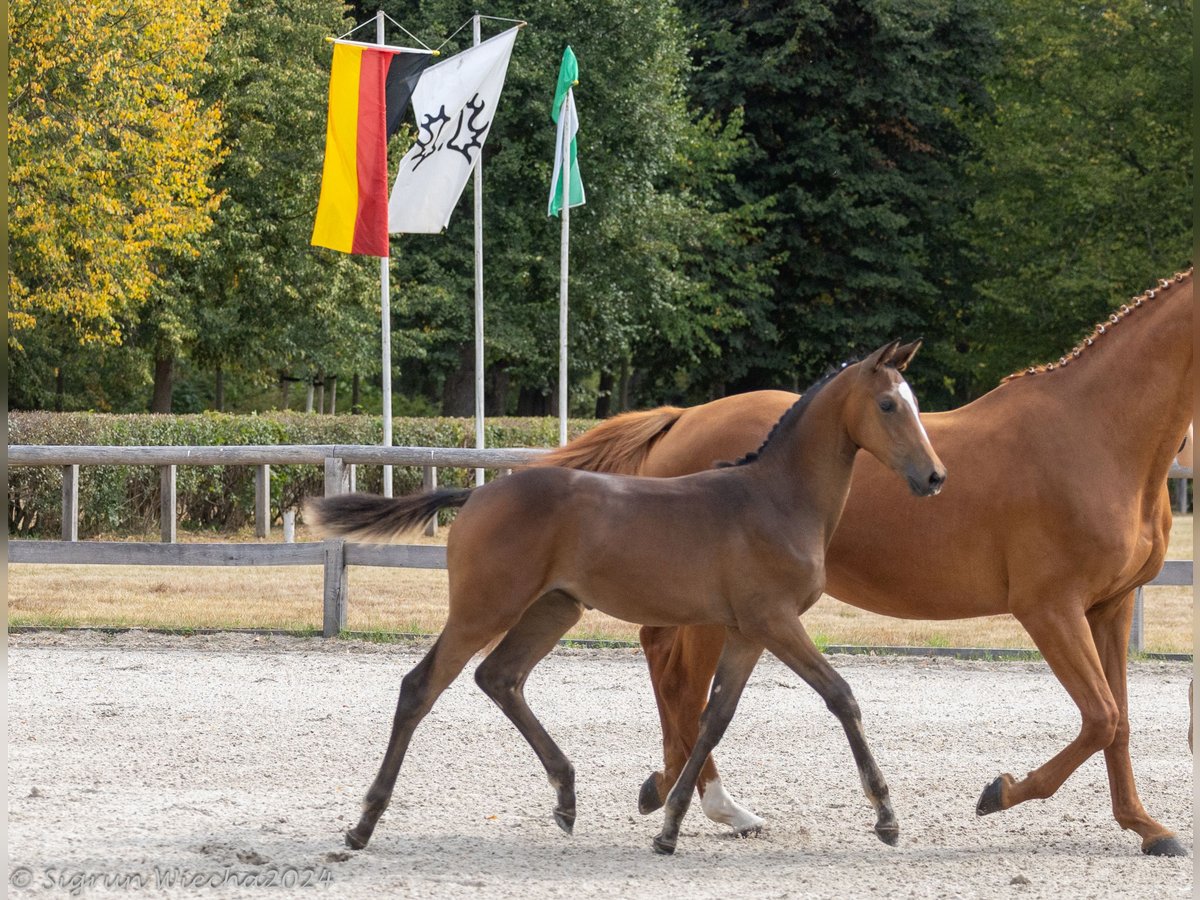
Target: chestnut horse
{"points": [[738, 547], [1058, 511]]}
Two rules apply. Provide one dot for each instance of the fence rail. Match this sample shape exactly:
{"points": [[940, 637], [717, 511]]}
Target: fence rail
{"points": [[338, 461]]}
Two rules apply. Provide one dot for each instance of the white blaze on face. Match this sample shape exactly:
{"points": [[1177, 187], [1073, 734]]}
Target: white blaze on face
{"points": [[907, 395]]}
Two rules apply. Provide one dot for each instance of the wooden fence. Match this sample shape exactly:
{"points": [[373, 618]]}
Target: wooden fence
{"points": [[339, 462]]}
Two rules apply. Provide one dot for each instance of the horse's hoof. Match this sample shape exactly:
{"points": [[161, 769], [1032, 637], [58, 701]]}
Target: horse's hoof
{"points": [[889, 834], [354, 840], [990, 800], [1166, 845], [648, 799], [749, 832], [565, 820], [663, 846]]}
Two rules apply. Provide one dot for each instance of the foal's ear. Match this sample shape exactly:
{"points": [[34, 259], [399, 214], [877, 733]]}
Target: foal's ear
{"points": [[902, 356], [881, 357]]}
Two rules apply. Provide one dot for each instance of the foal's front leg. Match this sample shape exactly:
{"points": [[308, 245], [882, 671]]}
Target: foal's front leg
{"points": [[788, 640], [738, 659]]}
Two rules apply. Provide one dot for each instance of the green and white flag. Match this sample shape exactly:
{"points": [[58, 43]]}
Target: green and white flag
{"points": [[563, 112]]}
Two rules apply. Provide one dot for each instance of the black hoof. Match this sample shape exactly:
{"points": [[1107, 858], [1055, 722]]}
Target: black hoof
{"points": [[355, 841], [889, 834], [663, 846], [648, 799], [1165, 846], [989, 800], [565, 820], [752, 831]]}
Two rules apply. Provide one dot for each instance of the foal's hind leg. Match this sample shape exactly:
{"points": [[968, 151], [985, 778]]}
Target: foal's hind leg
{"points": [[502, 676], [788, 640], [418, 691], [733, 670]]}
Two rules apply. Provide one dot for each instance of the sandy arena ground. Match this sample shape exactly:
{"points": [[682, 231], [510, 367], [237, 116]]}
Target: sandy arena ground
{"points": [[224, 760]]}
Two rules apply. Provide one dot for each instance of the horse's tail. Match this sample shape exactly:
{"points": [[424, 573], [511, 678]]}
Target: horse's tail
{"points": [[619, 445], [371, 517]]}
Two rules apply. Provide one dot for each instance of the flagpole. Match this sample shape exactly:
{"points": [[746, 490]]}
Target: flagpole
{"points": [[478, 179], [562, 276], [385, 319]]}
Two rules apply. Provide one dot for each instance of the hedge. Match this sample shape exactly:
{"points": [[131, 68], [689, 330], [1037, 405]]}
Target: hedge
{"points": [[123, 500]]}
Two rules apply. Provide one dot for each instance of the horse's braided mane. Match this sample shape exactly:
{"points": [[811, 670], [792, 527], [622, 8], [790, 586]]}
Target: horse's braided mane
{"points": [[1101, 328], [791, 414]]}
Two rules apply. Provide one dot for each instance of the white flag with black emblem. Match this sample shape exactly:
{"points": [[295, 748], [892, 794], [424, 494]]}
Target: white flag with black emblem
{"points": [[455, 102]]}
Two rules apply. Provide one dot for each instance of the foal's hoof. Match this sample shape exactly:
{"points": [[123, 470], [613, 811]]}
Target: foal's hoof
{"points": [[355, 841], [889, 834], [663, 846], [565, 820], [648, 799], [991, 800], [1166, 845]]}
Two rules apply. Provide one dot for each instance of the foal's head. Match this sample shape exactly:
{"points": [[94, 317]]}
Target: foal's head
{"points": [[881, 417]]}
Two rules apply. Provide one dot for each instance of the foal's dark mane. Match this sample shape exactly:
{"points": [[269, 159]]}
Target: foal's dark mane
{"points": [[791, 415]]}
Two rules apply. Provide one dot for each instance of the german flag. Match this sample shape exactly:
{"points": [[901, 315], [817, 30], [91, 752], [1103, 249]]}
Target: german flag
{"points": [[369, 90]]}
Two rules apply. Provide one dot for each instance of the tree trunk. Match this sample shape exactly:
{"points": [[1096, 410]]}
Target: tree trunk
{"points": [[356, 395], [496, 399], [623, 399], [285, 391], [531, 402], [458, 393], [308, 400], [332, 395], [220, 399], [604, 395], [160, 402], [321, 394], [60, 389]]}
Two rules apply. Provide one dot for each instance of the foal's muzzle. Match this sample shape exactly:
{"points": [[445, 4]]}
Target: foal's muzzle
{"points": [[926, 485]]}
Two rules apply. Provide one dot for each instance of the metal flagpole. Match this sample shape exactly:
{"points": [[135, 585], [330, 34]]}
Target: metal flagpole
{"points": [[478, 289], [565, 173], [385, 317]]}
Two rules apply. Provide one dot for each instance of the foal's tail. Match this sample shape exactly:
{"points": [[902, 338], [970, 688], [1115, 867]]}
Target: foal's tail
{"points": [[619, 445], [371, 517]]}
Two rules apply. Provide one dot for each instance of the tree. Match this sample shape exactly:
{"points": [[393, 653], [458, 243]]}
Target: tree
{"points": [[1085, 179], [641, 283], [110, 152], [262, 299], [853, 115]]}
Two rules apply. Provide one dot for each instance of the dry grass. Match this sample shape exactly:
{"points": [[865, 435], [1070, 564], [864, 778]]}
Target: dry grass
{"points": [[414, 600]]}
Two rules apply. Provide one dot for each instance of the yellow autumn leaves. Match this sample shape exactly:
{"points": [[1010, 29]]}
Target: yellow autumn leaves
{"points": [[111, 149]]}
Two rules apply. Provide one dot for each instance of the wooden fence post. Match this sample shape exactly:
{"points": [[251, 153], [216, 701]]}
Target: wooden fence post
{"points": [[337, 476], [336, 590], [429, 483], [166, 504], [70, 503], [262, 501], [336, 584]]}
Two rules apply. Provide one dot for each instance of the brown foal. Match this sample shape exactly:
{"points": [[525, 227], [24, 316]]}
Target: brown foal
{"points": [[740, 547]]}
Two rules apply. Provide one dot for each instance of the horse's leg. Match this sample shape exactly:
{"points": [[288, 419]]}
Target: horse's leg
{"points": [[1110, 623], [790, 642], [1065, 640], [502, 677], [733, 670], [682, 662], [418, 691]]}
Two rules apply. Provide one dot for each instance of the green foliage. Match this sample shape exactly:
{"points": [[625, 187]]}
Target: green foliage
{"points": [[852, 115], [1085, 178], [124, 499]]}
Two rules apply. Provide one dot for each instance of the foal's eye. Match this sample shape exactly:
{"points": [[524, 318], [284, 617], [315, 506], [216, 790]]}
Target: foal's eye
{"points": [[887, 404]]}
